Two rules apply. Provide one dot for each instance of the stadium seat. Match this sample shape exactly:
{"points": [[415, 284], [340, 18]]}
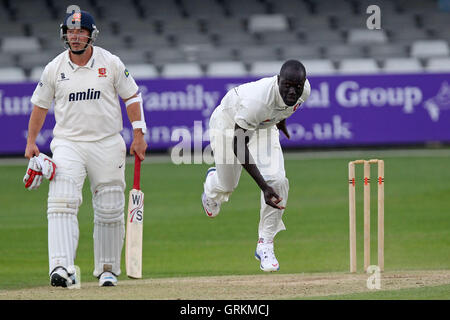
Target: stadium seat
{"points": [[319, 67], [182, 70], [265, 68], [108, 9], [429, 48], [311, 23], [330, 8], [131, 56], [418, 6], [149, 41], [45, 28], [20, 44], [248, 54], [406, 36], [342, 51], [226, 25], [289, 8], [183, 39], [12, 74], [385, 6], [237, 9], [26, 11], [348, 22], [326, 37], [142, 71], [200, 8], [434, 19], [402, 65], [161, 9], [109, 41], [180, 26], [381, 51], [226, 69], [204, 32], [234, 39], [267, 22], [207, 54], [7, 60], [163, 55], [8, 29], [36, 73], [300, 52], [393, 21], [358, 66], [29, 60], [357, 36], [133, 26], [61, 6], [438, 65], [279, 38]]}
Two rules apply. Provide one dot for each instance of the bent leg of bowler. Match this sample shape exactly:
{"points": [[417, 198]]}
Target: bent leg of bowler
{"points": [[220, 183]]}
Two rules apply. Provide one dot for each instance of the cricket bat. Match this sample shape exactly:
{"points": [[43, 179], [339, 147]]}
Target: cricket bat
{"points": [[135, 219]]}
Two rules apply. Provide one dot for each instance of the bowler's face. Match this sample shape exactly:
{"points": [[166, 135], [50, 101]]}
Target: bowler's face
{"points": [[291, 85]]}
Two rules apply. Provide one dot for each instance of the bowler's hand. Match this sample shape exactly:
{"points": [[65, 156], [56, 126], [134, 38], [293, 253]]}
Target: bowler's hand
{"points": [[272, 198], [139, 145], [282, 127]]}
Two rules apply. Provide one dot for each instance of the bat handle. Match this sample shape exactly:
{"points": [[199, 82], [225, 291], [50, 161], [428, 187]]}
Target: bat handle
{"points": [[137, 172]]}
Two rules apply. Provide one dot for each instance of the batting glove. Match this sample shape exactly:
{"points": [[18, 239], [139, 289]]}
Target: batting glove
{"points": [[48, 166], [33, 176]]}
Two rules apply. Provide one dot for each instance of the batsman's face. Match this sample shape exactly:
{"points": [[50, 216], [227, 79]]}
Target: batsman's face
{"points": [[78, 38], [291, 86]]}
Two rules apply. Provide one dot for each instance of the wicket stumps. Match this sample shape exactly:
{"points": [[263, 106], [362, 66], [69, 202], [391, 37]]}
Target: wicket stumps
{"points": [[352, 212]]}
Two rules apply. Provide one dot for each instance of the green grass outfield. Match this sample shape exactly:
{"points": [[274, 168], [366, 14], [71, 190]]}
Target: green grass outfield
{"points": [[179, 240]]}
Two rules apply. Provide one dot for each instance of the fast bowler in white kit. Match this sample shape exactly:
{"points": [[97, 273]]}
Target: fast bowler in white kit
{"points": [[84, 82], [244, 132]]}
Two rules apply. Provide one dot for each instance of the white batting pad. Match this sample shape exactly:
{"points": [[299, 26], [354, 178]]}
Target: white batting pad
{"points": [[109, 228], [63, 202]]}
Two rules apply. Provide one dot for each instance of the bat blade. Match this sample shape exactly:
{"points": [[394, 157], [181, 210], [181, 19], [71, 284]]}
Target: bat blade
{"points": [[133, 247]]}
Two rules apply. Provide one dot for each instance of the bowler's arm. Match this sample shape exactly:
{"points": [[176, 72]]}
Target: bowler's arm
{"points": [[241, 151]]}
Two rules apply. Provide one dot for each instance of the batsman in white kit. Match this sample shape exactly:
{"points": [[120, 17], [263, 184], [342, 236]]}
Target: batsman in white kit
{"points": [[244, 132], [84, 83]]}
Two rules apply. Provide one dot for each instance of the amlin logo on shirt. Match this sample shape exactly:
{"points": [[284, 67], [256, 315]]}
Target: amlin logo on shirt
{"points": [[90, 94]]}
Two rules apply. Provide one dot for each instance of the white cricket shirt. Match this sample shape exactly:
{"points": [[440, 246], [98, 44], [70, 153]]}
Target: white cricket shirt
{"points": [[258, 104], [86, 107]]}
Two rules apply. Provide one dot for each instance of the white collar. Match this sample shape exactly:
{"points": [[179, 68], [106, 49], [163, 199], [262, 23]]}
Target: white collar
{"points": [[90, 64]]}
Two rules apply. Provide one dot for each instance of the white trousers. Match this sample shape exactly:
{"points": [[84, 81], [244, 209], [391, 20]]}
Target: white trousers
{"points": [[103, 162], [265, 148]]}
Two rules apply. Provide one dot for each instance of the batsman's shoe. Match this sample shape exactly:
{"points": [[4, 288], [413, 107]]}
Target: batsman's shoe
{"points": [[211, 207], [265, 254], [107, 279], [61, 278]]}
